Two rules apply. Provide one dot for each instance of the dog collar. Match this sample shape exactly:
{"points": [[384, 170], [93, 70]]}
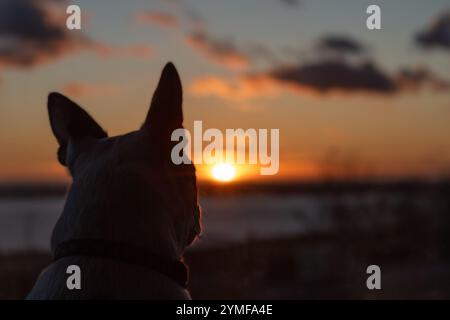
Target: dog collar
{"points": [[174, 269]]}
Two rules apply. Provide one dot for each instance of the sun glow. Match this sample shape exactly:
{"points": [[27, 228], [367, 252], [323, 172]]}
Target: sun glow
{"points": [[223, 172]]}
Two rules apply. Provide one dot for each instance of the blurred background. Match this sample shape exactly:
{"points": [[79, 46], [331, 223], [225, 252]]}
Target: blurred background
{"points": [[364, 135]]}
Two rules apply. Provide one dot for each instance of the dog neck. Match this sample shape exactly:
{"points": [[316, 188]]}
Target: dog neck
{"points": [[112, 221]]}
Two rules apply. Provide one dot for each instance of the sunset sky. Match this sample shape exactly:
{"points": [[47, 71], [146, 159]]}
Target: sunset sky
{"points": [[347, 100]]}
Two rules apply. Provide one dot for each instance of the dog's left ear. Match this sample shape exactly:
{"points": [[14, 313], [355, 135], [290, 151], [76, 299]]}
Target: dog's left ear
{"points": [[165, 113], [69, 121]]}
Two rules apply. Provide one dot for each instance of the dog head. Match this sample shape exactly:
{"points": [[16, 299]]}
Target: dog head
{"points": [[126, 188]]}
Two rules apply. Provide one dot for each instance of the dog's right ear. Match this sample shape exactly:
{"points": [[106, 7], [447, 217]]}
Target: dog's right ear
{"points": [[69, 121], [165, 113]]}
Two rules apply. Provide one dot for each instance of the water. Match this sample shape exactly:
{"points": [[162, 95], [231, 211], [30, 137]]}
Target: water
{"points": [[28, 223]]}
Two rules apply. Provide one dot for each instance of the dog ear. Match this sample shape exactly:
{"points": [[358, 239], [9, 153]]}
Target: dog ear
{"points": [[165, 113], [69, 121]]}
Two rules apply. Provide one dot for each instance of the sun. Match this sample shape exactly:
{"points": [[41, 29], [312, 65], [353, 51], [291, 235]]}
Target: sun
{"points": [[223, 172]]}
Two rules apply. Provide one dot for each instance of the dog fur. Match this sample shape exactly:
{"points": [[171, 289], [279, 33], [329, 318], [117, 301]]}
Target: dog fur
{"points": [[125, 189]]}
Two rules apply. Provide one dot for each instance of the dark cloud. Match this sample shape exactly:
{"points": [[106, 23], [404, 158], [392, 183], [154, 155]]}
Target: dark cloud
{"points": [[348, 71], [437, 35], [416, 78], [340, 44], [31, 32], [318, 78], [339, 71], [339, 75], [335, 75], [221, 51]]}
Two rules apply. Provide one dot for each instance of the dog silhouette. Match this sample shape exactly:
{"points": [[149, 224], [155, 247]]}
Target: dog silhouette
{"points": [[130, 212]]}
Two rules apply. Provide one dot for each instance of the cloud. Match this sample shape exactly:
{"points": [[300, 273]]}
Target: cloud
{"points": [[308, 79], [318, 79], [340, 44], [416, 78], [242, 88], [31, 32], [263, 52], [335, 75], [75, 89], [223, 52], [336, 64], [437, 34], [158, 18]]}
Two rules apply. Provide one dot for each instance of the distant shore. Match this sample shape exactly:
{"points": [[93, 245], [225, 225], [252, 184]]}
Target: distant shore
{"points": [[49, 190]]}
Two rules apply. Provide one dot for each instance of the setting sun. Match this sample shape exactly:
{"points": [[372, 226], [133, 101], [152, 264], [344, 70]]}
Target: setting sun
{"points": [[223, 172]]}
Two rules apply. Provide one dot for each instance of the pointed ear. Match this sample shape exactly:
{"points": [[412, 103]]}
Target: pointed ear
{"points": [[69, 121], [165, 113]]}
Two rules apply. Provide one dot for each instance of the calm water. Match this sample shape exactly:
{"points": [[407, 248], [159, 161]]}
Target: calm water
{"points": [[28, 223]]}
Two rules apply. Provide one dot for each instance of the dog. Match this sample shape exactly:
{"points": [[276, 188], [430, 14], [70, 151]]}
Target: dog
{"points": [[129, 212]]}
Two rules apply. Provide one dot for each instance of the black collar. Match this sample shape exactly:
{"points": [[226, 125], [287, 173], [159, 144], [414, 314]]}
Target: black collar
{"points": [[174, 269]]}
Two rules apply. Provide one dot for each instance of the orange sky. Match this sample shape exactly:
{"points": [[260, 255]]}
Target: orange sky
{"points": [[237, 73]]}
